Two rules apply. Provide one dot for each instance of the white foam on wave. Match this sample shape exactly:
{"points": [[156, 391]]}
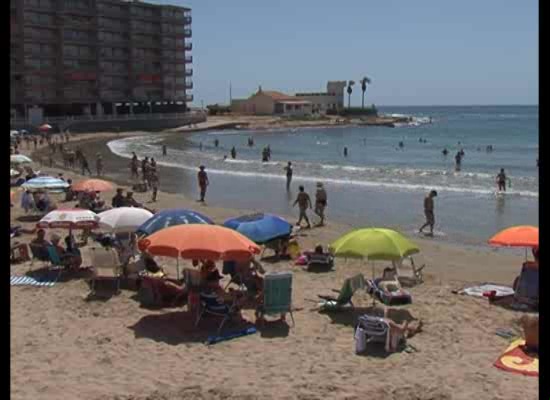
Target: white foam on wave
{"points": [[120, 148]]}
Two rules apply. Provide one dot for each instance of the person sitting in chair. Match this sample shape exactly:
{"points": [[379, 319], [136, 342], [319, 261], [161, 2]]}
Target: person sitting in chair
{"points": [[40, 239], [213, 295], [69, 257]]}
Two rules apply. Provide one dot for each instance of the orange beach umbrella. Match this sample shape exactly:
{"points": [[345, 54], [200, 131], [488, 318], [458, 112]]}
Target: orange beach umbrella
{"points": [[517, 236], [92, 185], [200, 242]]}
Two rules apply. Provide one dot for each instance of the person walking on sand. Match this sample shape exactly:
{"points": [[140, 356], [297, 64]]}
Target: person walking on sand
{"points": [[289, 172], [84, 165], [203, 182], [429, 212], [320, 203], [144, 166], [99, 164], [134, 165], [304, 202], [154, 180]]}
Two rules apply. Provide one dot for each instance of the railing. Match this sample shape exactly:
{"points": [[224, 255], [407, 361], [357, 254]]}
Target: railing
{"points": [[187, 32], [188, 97], [188, 46], [188, 59], [189, 72], [187, 20]]}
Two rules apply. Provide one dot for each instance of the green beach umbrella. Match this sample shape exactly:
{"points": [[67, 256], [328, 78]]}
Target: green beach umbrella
{"points": [[374, 244]]}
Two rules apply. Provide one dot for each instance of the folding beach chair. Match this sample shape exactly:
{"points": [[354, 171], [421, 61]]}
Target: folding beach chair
{"points": [[105, 266], [376, 329], [320, 262], [388, 291], [209, 305], [345, 294], [413, 274], [55, 259], [277, 295], [526, 287]]}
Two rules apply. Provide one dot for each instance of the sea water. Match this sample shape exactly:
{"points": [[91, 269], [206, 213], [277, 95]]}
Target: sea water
{"points": [[378, 183]]}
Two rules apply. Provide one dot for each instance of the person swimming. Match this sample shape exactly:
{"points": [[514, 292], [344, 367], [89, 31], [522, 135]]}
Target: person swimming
{"points": [[445, 151]]}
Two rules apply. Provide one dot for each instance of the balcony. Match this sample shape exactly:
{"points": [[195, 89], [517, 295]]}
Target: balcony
{"points": [[188, 46], [187, 33], [188, 97], [189, 59], [189, 72], [187, 20], [188, 84]]}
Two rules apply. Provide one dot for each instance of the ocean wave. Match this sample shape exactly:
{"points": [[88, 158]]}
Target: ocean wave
{"points": [[411, 179]]}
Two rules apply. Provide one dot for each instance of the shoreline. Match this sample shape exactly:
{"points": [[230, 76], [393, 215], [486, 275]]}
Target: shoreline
{"points": [[61, 342]]}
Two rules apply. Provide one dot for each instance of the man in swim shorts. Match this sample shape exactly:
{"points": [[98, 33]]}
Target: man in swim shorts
{"points": [[501, 180], [203, 182], [429, 212], [304, 202], [320, 202]]}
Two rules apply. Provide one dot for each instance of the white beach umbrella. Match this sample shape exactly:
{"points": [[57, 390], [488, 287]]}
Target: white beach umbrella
{"points": [[14, 133], [19, 159], [70, 218], [45, 183], [14, 173], [123, 219]]}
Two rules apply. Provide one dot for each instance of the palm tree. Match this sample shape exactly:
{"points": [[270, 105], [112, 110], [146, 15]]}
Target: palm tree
{"points": [[364, 82], [350, 84]]}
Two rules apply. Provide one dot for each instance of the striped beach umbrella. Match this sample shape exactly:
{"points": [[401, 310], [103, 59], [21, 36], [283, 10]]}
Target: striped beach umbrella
{"points": [[44, 127], [19, 159], [70, 218], [45, 183]]}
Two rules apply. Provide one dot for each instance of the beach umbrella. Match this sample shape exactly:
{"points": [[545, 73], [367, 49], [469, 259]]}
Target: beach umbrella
{"points": [[70, 218], [44, 127], [14, 173], [92, 185], [45, 183], [19, 159], [172, 217], [517, 236], [199, 242], [14, 133], [260, 228], [374, 244], [123, 219]]}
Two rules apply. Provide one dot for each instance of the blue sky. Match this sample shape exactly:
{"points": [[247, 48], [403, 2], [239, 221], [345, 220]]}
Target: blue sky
{"points": [[423, 52]]}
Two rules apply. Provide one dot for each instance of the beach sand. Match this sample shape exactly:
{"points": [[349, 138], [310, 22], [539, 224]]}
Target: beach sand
{"points": [[66, 347]]}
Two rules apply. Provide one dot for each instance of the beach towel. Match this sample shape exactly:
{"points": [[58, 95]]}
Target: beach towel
{"points": [[29, 281], [515, 359], [478, 291], [232, 335]]}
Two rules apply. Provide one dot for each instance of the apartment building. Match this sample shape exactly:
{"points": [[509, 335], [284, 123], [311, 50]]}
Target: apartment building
{"points": [[72, 57]]}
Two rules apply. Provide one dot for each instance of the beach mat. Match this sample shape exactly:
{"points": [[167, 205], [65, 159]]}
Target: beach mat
{"points": [[231, 335], [29, 281], [516, 360], [478, 291]]}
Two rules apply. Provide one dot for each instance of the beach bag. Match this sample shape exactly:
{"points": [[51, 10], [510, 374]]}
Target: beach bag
{"points": [[360, 340]]}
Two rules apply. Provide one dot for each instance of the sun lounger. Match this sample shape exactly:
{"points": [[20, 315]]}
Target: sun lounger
{"points": [[105, 266], [388, 292], [345, 294], [277, 296], [209, 305]]}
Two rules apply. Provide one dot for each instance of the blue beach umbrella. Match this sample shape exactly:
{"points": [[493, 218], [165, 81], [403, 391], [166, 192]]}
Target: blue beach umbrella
{"points": [[171, 217], [260, 228], [45, 183]]}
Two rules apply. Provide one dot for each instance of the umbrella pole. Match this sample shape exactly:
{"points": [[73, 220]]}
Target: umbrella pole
{"points": [[178, 267], [373, 278]]}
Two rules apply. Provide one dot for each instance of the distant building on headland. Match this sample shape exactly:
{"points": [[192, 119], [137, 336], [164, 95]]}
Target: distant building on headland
{"points": [[268, 102]]}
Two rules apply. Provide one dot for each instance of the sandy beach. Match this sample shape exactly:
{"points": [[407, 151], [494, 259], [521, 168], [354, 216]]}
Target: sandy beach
{"points": [[63, 346]]}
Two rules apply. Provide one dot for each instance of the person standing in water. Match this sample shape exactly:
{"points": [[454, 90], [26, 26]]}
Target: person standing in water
{"points": [[289, 172], [164, 150], [345, 151], [203, 182], [501, 180], [458, 160], [320, 203], [304, 202], [200, 146], [429, 212], [233, 152], [216, 143]]}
